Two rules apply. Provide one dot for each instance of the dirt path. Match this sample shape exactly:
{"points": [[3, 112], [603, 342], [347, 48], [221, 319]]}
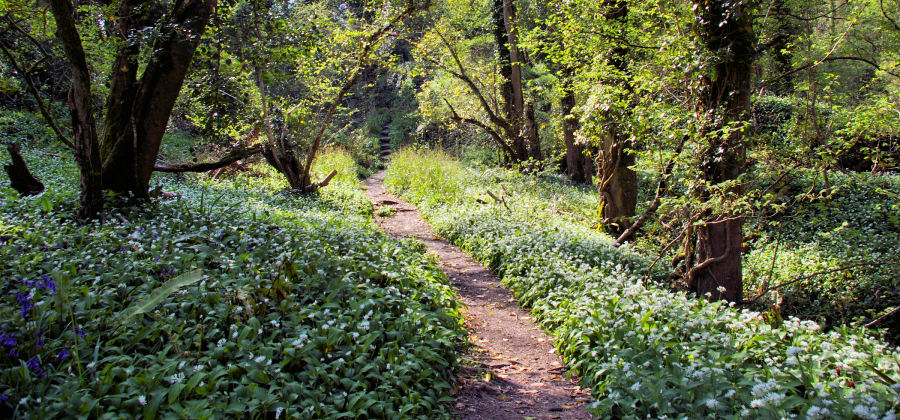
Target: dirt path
{"points": [[516, 374]]}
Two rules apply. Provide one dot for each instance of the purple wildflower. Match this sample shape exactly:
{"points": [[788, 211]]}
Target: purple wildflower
{"points": [[35, 365], [79, 332], [50, 285], [140, 228], [3, 398], [26, 302], [121, 249], [155, 236], [58, 246], [8, 340], [63, 355], [156, 259], [249, 248], [13, 353], [40, 340]]}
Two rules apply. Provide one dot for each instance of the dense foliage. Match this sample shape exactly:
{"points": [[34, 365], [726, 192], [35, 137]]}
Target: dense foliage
{"points": [[642, 349], [254, 303]]}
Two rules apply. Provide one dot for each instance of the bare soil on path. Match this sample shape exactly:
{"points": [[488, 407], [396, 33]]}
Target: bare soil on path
{"points": [[516, 373]]}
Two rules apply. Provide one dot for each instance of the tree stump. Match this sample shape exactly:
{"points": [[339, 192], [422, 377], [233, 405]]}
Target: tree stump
{"points": [[22, 179]]}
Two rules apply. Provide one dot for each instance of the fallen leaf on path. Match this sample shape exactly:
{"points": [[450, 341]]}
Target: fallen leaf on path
{"points": [[503, 398]]}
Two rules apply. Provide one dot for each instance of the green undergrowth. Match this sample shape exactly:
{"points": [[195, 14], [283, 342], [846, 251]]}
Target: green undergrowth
{"points": [[644, 350], [841, 239], [222, 298]]}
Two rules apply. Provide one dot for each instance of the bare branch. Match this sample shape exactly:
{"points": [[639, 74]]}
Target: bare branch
{"points": [[232, 157], [32, 89], [493, 133]]}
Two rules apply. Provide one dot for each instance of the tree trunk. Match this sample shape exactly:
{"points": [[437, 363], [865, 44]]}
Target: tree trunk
{"points": [[140, 110], [511, 72], [84, 127], [532, 133], [726, 31], [618, 187], [576, 160], [618, 182]]}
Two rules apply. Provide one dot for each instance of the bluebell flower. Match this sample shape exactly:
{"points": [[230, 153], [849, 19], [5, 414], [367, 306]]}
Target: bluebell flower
{"points": [[3, 398], [79, 332], [58, 246], [35, 365], [155, 236], [26, 302], [40, 341], [50, 285], [156, 259], [13, 353], [63, 355], [249, 248], [121, 249], [8, 340], [140, 228]]}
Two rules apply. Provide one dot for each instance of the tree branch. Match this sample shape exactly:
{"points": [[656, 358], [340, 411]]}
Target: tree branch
{"points": [[494, 135], [369, 45], [661, 186], [827, 59], [461, 75], [232, 157], [32, 89]]}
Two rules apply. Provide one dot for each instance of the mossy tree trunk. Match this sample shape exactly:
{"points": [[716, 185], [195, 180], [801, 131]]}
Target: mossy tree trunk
{"points": [[725, 29]]}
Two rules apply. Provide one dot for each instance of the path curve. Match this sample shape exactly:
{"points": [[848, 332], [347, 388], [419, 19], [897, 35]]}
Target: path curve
{"points": [[516, 373]]}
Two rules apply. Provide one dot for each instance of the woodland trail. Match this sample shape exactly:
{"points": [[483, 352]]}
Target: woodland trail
{"points": [[515, 372]]}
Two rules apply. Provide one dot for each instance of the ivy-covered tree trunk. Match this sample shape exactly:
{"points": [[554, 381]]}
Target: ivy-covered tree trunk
{"points": [[618, 181], [725, 29], [139, 110], [84, 126]]}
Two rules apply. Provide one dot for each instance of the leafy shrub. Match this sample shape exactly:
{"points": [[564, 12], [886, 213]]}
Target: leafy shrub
{"points": [[303, 309], [646, 351]]}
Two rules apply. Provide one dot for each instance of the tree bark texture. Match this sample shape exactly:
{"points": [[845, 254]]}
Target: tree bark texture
{"points": [[84, 126], [725, 29], [618, 186], [139, 110]]}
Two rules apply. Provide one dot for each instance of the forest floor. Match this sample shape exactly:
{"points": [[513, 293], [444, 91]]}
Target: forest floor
{"points": [[513, 371]]}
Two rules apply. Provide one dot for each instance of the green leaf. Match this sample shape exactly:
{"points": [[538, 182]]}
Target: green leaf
{"points": [[163, 292]]}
